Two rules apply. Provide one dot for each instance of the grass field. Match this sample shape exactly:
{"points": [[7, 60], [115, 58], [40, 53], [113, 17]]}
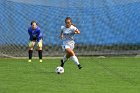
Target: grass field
{"points": [[99, 75]]}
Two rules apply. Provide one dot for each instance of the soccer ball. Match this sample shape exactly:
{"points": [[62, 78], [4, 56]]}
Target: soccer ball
{"points": [[59, 70]]}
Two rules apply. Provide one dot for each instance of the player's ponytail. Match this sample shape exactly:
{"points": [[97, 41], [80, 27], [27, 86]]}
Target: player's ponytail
{"points": [[73, 25]]}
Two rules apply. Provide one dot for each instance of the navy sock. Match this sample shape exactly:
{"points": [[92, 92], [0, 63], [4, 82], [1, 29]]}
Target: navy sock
{"points": [[40, 54], [30, 54]]}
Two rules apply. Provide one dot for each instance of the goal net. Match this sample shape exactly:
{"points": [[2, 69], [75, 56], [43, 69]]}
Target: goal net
{"points": [[108, 27]]}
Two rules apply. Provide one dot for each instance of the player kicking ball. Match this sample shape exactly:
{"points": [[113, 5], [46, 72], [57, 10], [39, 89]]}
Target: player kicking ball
{"points": [[67, 33], [35, 40]]}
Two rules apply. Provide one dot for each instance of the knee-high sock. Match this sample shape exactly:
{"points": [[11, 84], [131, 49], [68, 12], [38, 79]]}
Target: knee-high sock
{"points": [[40, 54], [75, 59], [30, 54]]}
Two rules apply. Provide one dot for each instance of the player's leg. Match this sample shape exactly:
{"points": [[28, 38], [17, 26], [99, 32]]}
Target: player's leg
{"points": [[70, 54], [65, 58], [30, 51], [73, 57], [40, 50]]}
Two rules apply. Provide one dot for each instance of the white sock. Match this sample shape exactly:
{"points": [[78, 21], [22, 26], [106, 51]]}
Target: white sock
{"points": [[75, 59], [64, 59]]}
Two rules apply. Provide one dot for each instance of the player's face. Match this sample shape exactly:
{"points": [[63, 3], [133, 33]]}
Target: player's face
{"points": [[34, 26], [68, 23]]}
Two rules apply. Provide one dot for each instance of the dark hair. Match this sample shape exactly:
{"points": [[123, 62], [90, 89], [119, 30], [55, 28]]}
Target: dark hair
{"points": [[33, 22], [68, 18]]}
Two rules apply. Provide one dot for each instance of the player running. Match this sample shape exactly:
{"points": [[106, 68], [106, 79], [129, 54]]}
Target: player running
{"points": [[35, 40], [67, 33]]}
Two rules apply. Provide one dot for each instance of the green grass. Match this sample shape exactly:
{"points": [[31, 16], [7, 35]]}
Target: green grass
{"points": [[99, 75]]}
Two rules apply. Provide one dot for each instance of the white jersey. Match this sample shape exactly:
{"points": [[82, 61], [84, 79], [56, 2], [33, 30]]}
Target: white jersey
{"points": [[68, 33]]}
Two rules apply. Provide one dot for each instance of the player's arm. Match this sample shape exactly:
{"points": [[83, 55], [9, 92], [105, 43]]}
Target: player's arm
{"points": [[29, 32], [76, 31], [38, 35], [61, 35]]}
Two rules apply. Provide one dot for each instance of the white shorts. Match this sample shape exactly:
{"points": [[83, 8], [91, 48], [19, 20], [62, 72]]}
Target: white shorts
{"points": [[68, 45]]}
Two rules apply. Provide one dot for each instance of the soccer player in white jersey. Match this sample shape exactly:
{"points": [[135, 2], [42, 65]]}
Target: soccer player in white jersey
{"points": [[67, 33]]}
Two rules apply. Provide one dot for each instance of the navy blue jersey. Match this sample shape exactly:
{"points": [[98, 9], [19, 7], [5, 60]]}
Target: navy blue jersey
{"points": [[35, 34]]}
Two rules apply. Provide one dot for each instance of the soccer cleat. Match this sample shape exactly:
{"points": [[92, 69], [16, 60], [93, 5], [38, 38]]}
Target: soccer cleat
{"points": [[40, 60], [29, 60], [62, 63], [79, 66]]}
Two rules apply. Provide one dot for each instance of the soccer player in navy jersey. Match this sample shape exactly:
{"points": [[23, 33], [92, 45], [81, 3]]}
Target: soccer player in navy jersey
{"points": [[35, 39]]}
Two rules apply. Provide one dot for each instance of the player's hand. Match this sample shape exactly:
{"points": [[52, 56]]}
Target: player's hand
{"points": [[77, 32], [61, 37]]}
